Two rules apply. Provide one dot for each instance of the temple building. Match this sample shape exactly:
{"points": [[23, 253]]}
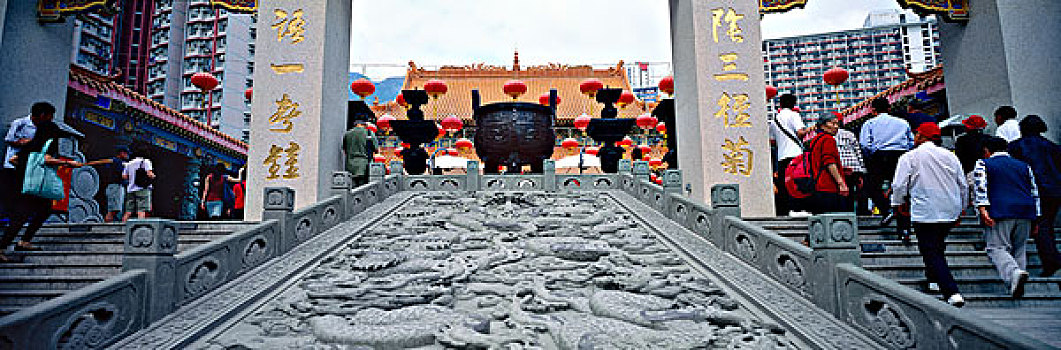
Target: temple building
{"points": [[489, 80]]}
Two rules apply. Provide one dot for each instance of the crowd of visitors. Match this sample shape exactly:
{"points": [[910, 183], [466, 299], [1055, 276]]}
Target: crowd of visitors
{"points": [[127, 179], [897, 168]]}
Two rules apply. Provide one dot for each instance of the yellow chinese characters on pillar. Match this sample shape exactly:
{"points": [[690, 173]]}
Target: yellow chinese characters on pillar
{"points": [[737, 157], [730, 17], [729, 65], [273, 161], [286, 110], [293, 26], [734, 110]]}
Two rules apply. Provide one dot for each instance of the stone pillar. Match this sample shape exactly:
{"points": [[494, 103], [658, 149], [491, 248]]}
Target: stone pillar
{"points": [[342, 181], [641, 171], [625, 166], [398, 169], [1006, 54], [717, 57], [278, 203], [36, 61], [549, 172], [726, 201], [376, 172], [834, 239], [150, 245], [300, 76], [474, 181]]}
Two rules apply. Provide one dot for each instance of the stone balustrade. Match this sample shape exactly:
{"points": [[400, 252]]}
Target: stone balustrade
{"points": [[826, 272]]}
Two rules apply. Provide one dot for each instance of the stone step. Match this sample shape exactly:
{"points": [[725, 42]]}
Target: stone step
{"points": [[960, 244], [77, 257], [953, 257], [917, 269], [32, 269], [48, 282], [992, 285], [28, 297], [1029, 300], [107, 245]]}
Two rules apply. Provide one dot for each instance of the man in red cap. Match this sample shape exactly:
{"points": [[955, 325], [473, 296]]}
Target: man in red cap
{"points": [[970, 146], [930, 177]]}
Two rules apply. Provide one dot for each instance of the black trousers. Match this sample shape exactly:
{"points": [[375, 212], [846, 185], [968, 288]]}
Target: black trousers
{"points": [[783, 202], [25, 209], [931, 242], [825, 202], [881, 166], [1045, 239], [8, 192]]}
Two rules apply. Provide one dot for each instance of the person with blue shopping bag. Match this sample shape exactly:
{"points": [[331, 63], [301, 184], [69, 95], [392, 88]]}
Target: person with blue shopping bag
{"points": [[33, 203]]}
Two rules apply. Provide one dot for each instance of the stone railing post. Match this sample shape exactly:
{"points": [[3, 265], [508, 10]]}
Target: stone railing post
{"points": [[150, 245], [376, 172], [279, 204], [341, 183], [396, 168], [725, 200], [672, 181], [625, 166], [549, 170], [641, 171], [474, 181], [834, 239]]}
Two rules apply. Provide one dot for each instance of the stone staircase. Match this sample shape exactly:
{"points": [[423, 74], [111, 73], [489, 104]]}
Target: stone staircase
{"points": [[76, 256], [885, 254]]}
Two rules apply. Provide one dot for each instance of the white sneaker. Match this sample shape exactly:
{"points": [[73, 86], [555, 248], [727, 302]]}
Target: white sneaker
{"points": [[1016, 288], [933, 287], [956, 300]]}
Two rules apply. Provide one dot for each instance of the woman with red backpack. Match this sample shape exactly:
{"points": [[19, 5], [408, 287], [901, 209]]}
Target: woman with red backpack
{"points": [[830, 193]]}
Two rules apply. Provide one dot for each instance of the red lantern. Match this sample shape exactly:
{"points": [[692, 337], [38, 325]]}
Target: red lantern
{"points": [[626, 142], [544, 99], [569, 143], [590, 87], [582, 122], [371, 127], [406, 145], [464, 143], [625, 98], [398, 151], [362, 87], [248, 93], [645, 157], [592, 150], [379, 158], [667, 85], [514, 88], [435, 88], [655, 162], [661, 128], [204, 81], [384, 122], [646, 121], [770, 92], [401, 100], [452, 123], [451, 151], [835, 76], [645, 149]]}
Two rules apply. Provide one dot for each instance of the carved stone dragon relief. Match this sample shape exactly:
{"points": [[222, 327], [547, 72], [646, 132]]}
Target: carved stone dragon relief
{"points": [[505, 270]]}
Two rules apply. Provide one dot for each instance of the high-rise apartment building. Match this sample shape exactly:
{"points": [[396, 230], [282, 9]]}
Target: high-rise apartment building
{"points": [[154, 47], [876, 56], [190, 37]]}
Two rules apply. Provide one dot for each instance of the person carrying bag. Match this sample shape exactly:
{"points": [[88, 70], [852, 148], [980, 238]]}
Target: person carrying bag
{"points": [[42, 180]]}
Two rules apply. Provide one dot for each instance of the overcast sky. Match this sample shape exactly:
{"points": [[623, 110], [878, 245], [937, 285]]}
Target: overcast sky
{"points": [[459, 32]]}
